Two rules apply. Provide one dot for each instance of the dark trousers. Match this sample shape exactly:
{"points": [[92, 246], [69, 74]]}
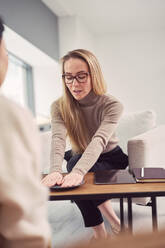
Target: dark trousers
{"points": [[114, 159]]}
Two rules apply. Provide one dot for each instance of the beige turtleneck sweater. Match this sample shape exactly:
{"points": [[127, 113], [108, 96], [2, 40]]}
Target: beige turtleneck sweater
{"points": [[101, 114]]}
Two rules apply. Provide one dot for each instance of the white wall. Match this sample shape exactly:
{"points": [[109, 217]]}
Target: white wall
{"points": [[73, 34], [134, 68], [48, 87], [133, 63]]}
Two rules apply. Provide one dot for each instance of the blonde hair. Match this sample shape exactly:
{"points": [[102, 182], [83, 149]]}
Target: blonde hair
{"points": [[69, 107]]}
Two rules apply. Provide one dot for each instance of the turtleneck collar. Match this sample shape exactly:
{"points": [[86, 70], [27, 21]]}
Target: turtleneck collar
{"points": [[89, 100]]}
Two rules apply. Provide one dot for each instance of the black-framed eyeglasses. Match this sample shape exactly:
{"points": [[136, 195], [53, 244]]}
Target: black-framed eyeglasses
{"points": [[80, 77]]}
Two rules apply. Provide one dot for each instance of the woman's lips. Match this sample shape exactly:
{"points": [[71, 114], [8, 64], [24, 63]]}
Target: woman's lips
{"points": [[77, 92]]}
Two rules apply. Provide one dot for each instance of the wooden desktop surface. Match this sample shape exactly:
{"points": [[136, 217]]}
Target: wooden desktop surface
{"points": [[89, 190]]}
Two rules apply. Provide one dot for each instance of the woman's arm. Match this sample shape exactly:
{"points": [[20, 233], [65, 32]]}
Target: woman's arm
{"points": [[58, 142], [111, 114], [111, 111]]}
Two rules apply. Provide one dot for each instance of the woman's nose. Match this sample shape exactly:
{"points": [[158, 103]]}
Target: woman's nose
{"points": [[75, 82]]}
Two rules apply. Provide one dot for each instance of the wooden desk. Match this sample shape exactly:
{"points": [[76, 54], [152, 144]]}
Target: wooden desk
{"points": [[91, 191]]}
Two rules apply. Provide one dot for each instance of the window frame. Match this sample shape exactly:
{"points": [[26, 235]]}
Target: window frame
{"points": [[29, 82]]}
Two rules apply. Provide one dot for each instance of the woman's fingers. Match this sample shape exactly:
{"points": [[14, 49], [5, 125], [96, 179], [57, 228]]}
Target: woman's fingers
{"points": [[52, 179], [72, 179]]}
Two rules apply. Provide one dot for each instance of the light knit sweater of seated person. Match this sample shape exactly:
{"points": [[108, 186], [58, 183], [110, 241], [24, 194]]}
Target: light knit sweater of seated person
{"points": [[23, 215]]}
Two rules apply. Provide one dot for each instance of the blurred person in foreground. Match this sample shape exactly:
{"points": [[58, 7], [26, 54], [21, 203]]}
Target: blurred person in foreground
{"points": [[23, 217]]}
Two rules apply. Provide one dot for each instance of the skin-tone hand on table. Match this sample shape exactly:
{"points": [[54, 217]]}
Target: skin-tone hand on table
{"points": [[52, 179], [72, 179]]}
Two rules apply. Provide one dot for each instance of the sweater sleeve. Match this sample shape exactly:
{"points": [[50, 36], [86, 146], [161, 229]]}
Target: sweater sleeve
{"points": [[23, 199], [110, 117], [58, 142]]}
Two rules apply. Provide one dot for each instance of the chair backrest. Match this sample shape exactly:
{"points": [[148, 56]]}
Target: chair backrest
{"points": [[135, 123]]}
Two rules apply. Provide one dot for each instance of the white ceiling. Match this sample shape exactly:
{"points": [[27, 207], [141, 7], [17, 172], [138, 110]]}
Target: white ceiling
{"points": [[105, 16]]}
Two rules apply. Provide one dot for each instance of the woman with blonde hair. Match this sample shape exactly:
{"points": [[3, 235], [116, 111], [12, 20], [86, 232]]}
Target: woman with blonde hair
{"points": [[89, 117]]}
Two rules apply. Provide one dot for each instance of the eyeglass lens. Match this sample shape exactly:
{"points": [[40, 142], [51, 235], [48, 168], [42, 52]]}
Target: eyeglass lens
{"points": [[81, 78]]}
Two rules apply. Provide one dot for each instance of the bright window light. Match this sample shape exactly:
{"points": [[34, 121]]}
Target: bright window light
{"points": [[18, 83]]}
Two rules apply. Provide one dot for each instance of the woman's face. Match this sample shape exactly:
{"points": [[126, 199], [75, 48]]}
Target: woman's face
{"points": [[3, 61], [80, 86]]}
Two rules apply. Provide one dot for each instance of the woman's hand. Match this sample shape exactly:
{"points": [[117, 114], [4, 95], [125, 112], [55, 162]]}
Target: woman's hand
{"points": [[52, 179], [72, 179]]}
